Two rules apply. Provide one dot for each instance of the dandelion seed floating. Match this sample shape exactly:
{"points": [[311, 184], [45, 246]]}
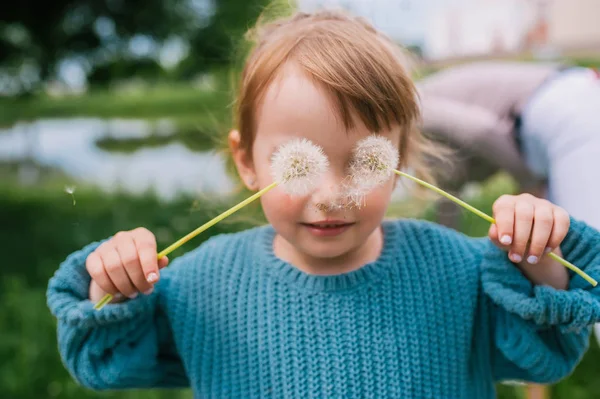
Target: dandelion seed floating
{"points": [[374, 162], [71, 191], [297, 166]]}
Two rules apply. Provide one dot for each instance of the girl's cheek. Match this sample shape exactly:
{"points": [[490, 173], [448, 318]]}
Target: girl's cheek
{"points": [[291, 205], [286, 200], [379, 198], [283, 204]]}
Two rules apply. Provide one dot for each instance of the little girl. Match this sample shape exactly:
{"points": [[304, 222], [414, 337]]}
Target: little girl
{"points": [[332, 302]]}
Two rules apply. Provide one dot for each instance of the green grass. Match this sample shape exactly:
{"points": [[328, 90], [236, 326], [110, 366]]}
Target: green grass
{"points": [[180, 103], [208, 105]]}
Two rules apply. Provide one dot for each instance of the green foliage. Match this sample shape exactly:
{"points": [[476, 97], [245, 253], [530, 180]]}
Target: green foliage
{"points": [[176, 101], [97, 36]]}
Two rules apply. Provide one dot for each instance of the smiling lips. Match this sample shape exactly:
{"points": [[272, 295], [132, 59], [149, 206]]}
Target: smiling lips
{"points": [[327, 228]]}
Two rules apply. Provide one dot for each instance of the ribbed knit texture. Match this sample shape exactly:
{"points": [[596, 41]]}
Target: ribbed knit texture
{"points": [[438, 315]]}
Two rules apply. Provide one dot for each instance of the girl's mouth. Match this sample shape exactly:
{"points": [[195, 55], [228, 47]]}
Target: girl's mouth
{"points": [[327, 228]]}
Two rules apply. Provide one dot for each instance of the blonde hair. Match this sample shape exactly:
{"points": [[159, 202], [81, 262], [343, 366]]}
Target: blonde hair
{"points": [[364, 73]]}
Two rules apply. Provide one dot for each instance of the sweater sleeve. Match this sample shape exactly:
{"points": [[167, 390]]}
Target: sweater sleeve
{"points": [[124, 345], [540, 334]]}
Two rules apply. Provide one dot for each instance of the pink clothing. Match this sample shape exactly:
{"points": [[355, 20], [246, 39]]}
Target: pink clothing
{"points": [[475, 107]]}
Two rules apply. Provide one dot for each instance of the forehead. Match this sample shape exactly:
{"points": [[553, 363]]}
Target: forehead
{"points": [[295, 106]]}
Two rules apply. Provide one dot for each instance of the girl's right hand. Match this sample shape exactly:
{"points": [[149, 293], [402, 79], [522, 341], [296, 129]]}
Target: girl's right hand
{"points": [[125, 265]]}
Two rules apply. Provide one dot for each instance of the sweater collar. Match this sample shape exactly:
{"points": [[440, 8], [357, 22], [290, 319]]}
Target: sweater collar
{"points": [[328, 283]]}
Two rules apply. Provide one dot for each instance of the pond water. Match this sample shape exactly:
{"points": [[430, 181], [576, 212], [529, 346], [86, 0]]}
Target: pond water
{"points": [[71, 146]]}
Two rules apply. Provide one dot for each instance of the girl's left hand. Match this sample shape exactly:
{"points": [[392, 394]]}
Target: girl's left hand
{"points": [[528, 227]]}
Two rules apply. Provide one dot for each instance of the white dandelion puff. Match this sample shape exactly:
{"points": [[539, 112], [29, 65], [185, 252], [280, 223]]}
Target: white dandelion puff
{"points": [[373, 162], [298, 166], [71, 191]]}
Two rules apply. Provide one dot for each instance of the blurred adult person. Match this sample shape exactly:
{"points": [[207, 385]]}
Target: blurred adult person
{"points": [[540, 122]]}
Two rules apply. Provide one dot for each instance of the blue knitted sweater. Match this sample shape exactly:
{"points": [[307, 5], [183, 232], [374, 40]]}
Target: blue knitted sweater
{"points": [[438, 315]]}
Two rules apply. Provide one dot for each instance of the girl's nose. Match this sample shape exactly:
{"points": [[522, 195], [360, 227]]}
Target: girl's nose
{"points": [[330, 193]]}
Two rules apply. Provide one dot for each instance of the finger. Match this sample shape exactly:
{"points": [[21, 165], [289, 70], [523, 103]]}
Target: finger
{"points": [[163, 262], [96, 293], [543, 221], [116, 272], [95, 268], [560, 229], [524, 212], [146, 247], [131, 262], [504, 213], [493, 236]]}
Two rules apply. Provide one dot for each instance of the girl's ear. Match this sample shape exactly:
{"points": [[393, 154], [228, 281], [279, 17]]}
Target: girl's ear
{"points": [[243, 160]]}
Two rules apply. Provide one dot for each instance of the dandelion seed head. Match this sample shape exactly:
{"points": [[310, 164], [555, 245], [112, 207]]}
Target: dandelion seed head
{"points": [[70, 189], [373, 162], [298, 166]]}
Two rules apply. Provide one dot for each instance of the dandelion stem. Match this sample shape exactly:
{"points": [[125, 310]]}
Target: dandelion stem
{"points": [[214, 221], [490, 219], [108, 297]]}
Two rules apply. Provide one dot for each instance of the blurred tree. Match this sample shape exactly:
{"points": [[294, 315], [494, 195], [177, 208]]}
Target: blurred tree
{"points": [[124, 69], [102, 39], [216, 43]]}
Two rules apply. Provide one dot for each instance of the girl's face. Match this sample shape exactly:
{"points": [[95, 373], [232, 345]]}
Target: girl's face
{"points": [[309, 230]]}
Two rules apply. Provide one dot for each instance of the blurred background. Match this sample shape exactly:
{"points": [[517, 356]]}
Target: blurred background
{"points": [[113, 115]]}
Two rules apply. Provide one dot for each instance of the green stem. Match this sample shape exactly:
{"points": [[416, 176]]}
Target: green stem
{"points": [[214, 221], [108, 297], [490, 219]]}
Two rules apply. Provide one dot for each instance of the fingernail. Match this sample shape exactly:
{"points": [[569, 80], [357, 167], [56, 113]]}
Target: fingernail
{"points": [[547, 250], [516, 258], [133, 296], [152, 277], [149, 291], [532, 260], [506, 240]]}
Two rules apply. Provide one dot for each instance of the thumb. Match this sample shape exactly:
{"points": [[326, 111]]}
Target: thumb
{"points": [[163, 262]]}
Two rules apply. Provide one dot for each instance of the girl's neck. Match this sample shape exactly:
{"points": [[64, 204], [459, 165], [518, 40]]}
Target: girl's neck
{"points": [[368, 252]]}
